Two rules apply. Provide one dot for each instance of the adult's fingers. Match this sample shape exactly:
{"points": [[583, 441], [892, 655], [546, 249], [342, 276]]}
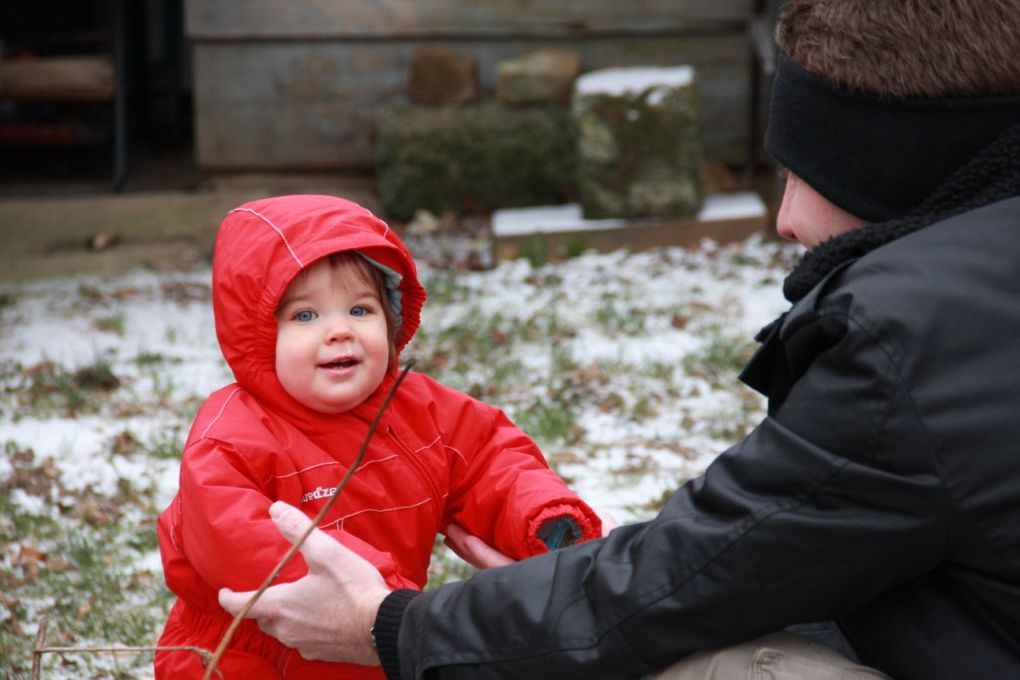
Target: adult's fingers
{"points": [[472, 549], [608, 521]]}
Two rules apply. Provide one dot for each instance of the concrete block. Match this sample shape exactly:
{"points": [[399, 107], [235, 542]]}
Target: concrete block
{"points": [[639, 142], [540, 77], [439, 75], [473, 159], [551, 233]]}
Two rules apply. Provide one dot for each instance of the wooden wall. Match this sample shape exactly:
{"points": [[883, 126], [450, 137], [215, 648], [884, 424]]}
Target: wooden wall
{"points": [[297, 83]]}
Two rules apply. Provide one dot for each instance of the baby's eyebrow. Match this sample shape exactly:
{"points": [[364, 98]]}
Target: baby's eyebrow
{"points": [[289, 301], [364, 292]]}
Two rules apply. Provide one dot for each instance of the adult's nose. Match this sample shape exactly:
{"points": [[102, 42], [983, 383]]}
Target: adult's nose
{"points": [[785, 216]]}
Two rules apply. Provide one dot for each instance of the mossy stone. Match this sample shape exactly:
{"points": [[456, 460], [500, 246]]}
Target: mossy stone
{"points": [[639, 154], [474, 159]]}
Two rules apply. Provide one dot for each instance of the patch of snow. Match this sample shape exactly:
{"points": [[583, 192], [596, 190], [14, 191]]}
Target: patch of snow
{"points": [[567, 218], [632, 319], [634, 80], [29, 503], [730, 206]]}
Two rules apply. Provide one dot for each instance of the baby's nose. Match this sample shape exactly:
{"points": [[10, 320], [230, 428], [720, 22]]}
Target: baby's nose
{"points": [[339, 329]]}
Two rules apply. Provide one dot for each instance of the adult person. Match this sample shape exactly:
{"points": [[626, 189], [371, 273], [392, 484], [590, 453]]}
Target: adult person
{"points": [[882, 491]]}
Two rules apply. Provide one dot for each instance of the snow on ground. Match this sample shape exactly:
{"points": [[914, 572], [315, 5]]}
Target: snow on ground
{"points": [[623, 367], [726, 292]]}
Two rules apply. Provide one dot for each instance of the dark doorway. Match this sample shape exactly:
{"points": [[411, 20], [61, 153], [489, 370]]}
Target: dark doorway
{"points": [[94, 96]]}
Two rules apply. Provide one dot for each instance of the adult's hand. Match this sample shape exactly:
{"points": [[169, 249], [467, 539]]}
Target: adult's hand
{"points": [[608, 521], [481, 555], [327, 614], [472, 549]]}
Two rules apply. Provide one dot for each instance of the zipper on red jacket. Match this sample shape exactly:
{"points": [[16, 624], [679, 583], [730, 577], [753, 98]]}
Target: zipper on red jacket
{"points": [[419, 467]]}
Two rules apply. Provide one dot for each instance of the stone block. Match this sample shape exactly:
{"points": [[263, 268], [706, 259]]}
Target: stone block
{"points": [[474, 159], [540, 77], [639, 142], [439, 76]]}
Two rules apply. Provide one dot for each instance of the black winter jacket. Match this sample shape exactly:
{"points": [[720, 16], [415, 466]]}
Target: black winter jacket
{"points": [[882, 491]]}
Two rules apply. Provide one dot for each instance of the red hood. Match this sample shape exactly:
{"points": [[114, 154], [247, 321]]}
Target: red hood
{"points": [[269, 241]]}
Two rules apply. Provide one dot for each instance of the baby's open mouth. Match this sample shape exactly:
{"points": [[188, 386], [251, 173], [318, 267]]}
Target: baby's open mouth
{"points": [[340, 363]]}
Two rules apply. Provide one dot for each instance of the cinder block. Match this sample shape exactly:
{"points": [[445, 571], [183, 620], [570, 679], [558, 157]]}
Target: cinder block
{"points": [[474, 159], [639, 142], [439, 75]]}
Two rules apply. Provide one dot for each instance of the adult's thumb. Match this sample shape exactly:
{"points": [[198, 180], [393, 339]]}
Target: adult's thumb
{"points": [[292, 524], [231, 601], [289, 521]]}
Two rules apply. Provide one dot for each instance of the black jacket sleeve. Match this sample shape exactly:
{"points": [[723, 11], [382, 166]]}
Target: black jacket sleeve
{"points": [[834, 499]]}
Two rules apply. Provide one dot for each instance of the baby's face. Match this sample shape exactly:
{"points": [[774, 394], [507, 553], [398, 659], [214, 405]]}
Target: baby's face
{"points": [[332, 347]]}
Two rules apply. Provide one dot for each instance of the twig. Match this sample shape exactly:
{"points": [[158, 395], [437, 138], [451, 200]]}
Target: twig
{"points": [[204, 654], [211, 659], [40, 638], [312, 527], [39, 649]]}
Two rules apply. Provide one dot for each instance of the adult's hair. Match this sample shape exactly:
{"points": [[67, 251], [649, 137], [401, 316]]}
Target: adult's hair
{"points": [[907, 48]]}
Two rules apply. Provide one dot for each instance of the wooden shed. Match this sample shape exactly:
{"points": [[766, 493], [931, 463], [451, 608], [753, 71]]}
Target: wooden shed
{"points": [[298, 84]]}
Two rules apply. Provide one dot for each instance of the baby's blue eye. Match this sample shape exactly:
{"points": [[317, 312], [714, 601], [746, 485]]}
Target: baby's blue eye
{"points": [[359, 311], [305, 315]]}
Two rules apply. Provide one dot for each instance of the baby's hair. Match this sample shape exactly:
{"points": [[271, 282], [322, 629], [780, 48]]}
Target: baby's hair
{"points": [[370, 274], [907, 48], [348, 266]]}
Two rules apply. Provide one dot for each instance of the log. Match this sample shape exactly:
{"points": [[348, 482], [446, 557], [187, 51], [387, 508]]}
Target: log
{"points": [[74, 78]]}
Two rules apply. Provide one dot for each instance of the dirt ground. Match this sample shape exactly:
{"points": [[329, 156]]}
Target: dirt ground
{"points": [[58, 219], [51, 234]]}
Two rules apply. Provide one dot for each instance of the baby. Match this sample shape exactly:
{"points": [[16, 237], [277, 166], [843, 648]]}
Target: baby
{"points": [[314, 298]]}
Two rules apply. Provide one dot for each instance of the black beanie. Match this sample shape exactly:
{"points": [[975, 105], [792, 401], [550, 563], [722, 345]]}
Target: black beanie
{"points": [[876, 157]]}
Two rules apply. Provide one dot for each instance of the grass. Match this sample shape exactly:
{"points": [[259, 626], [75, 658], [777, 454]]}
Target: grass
{"points": [[720, 358], [549, 423], [618, 316], [115, 323], [617, 424], [165, 443], [76, 565], [147, 359], [47, 389]]}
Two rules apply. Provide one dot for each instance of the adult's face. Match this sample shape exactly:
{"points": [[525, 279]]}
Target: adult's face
{"points": [[808, 217]]}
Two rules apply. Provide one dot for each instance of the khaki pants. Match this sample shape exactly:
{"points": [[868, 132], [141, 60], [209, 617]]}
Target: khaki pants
{"points": [[779, 656]]}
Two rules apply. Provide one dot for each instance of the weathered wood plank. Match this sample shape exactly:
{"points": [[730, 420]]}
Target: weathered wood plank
{"points": [[367, 19], [77, 78], [289, 135], [559, 234], [293, 105]]}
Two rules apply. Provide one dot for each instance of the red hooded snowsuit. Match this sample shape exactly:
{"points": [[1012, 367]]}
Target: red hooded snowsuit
{"points": [[438, 456]]}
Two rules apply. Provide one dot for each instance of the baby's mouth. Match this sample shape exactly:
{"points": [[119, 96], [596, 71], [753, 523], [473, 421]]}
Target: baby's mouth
{"points": [[345, 362]]}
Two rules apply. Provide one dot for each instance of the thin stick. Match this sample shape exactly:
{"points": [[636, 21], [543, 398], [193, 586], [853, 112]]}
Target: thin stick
{"points": [[314, 525], [204, 653], [37, 652], [40, 638]]}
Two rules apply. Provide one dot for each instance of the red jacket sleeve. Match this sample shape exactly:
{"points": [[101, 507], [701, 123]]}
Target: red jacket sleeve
{"points": [[225, 532], [505, 489]]}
